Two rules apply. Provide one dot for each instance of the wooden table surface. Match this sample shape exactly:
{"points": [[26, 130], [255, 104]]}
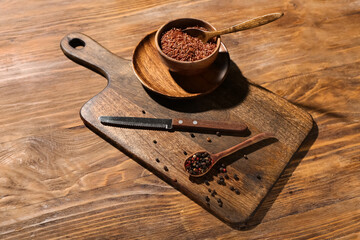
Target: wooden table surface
{"points": [[59, 180]]}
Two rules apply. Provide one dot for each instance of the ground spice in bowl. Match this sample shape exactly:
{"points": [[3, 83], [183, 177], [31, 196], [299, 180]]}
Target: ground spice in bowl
{"points": [[198, 163], [183, 47]]}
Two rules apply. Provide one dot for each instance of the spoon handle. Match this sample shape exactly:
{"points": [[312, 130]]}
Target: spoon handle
{"points": [[252, 23], [248, 142]]}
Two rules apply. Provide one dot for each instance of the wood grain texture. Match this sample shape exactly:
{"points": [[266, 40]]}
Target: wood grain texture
{"points": [[59, 180]]}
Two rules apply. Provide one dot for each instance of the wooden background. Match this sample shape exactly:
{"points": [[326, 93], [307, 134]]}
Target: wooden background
{"points": [[60, 180]]}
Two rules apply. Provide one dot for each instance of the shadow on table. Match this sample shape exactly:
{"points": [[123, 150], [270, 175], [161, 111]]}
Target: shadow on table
{"points": [[272, 195], [230, 93]]}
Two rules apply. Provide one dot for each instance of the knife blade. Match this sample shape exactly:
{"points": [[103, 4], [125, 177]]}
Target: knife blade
{"points": [[172, 124]]}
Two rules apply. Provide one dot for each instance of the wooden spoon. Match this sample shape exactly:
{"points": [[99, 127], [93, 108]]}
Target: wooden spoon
{"points": [[255, 22], [214, 158]]}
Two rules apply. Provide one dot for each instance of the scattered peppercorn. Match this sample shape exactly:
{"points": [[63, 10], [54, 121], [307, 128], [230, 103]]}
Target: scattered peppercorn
{"points": [[198, 163], [155, 141], [157, 160], [166, 168], [226, 176], [207, 182], [192, 135], [232, 188], [209, 189], [218, 134], [213, 193], [185, 153], [258, 177], [236, 177], [143, 111], [207, 199], [237, 191], [220, 202], [221, 181]]}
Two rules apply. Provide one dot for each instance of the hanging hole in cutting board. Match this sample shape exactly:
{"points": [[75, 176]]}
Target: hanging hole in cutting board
{"points": [[77, 43]]}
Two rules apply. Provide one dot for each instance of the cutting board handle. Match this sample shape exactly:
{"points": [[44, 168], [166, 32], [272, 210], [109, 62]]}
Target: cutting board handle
{"points": [[84, 50]]}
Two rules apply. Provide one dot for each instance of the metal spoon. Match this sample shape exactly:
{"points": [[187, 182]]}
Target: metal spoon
{"points": [[206, 161], [255, 22]]}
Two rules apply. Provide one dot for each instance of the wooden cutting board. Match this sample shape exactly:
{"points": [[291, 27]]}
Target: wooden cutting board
{"points": [[235, 100]]}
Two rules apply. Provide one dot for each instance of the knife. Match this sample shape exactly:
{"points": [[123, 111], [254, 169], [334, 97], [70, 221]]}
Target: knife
{"points": [[172, 124]]}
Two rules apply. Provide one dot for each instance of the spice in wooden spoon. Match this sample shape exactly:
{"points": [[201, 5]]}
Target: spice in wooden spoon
{"points": [[205, 36], [199, 163]]}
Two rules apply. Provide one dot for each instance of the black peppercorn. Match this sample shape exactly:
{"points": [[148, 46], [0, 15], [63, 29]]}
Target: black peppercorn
{"points": [[232, 188], [207, 198], [220, 202], [166, 168], [237, 191], [157, 160], [207, 182], [213, 193], [155, 141]]}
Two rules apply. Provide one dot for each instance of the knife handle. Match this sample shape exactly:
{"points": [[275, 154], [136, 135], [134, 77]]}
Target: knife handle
{"points": [[180, 123]]}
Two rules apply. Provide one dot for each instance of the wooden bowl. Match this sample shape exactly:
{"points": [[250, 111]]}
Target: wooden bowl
{"points": [[155, 76], [186, 67]]}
